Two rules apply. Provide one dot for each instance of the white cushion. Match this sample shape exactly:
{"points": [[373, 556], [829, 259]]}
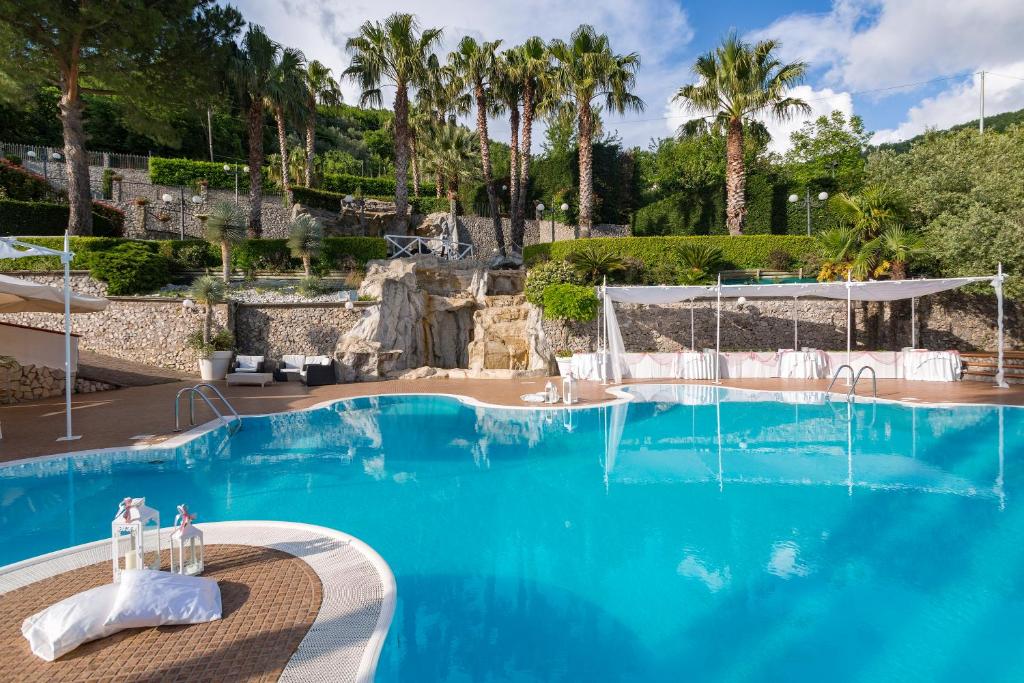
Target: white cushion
{"points": [[151, 598], [248, 363], [292, 361], [318, 360], [62, 627]]}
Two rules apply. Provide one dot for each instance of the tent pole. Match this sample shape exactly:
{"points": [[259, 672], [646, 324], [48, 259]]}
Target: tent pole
{"points": [[68, 380], [718, 334], [1001, 382], [849, 323], [796, 326], [693, 338], [604, 346], [913, 322]]}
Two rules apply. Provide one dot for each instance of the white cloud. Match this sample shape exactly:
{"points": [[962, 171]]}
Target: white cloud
{"points": [[657, 29], [960, 103]]}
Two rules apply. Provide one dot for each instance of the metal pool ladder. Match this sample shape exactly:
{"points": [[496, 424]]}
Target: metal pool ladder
{"points": [[197, 390], [854, 378]]}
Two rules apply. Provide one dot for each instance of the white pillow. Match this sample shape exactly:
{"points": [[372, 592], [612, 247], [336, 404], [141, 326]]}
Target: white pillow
{"points": [[151, 598], [62, 627]]}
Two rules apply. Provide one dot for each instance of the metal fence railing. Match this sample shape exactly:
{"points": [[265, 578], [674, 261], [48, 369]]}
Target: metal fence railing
{"points": [[41, 153], [410, 245]]}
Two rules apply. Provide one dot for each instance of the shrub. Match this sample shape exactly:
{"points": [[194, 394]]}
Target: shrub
{"points": [[779, 259], [311, 287], [23, 184], [47, 218], [593, 264], [130, 268], [261, 254], [14, 159], [746, 251], [341, 252], [331, 201], [570, 302], [108, 183], [354, 184], [186, 172], [546, 274]]}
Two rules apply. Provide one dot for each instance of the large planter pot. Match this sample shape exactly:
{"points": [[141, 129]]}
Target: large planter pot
{"points": [[216, 366], [564, 365]]}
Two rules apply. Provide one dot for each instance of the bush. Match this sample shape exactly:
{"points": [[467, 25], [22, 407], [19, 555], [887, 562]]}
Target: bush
{"points": [[548, 273], [14, 159], [186, 172], [331, 201], [108, 183], [746, 251], [780, 259], [345, 183], [47, 218], [339, 251], [570, 302], [130, 268], [189, 254], [274, 255], [22, 184]]}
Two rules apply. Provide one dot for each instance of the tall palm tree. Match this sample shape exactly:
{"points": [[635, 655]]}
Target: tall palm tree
{"points": [[321, 88], [442, 93], [452, 153], [393, 53], [736, 82], [588, 70], [286, 98], [476, 63], [224, 227], [252, 71], [305, 240], [535, 73], [508, 94]]}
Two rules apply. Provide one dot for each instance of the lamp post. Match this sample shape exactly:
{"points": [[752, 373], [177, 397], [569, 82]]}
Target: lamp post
{"points": [[540, 214], [167, 198], [809, 203], [228, 169]]}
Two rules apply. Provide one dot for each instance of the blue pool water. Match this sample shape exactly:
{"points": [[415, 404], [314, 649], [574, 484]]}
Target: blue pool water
{"points": [[694, 534]]}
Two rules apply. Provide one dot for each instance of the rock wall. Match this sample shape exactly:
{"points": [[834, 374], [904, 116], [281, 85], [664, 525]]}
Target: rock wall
{"points": [[273, 330], [953, 320], [30, 382], [479, 231]]}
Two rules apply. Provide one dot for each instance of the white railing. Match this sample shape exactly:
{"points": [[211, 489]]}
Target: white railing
{"points": [[410, 245]]}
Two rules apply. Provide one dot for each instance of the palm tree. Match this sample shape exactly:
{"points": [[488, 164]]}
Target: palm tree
{"points": [[535, 73], [476, 63], [208, 291], [507, 87], [305, 240], [452, 154], [224, 227], [900, 246], [869, 212], [252, 71], [286, 98], [394, 52], [736, 82], [442, 93], [321, 88], [592, 264], [588, 70]]}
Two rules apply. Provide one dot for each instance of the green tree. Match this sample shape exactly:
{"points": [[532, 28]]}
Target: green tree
{"points": [[507, 89], [453, 156], [830, 147], [535, 72], [736, 82], [286, 97], [224, 227], [321, 89], [305, 240], [394, 53], [587, 70], [477, 64], [253, 72], [208, 291], [443, 94], [98, 48]]}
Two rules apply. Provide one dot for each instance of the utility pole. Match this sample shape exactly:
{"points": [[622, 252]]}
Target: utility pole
{"points": [[981, 119]]}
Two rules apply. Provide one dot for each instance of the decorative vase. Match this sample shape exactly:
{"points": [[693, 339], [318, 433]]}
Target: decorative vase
{"points": [[564, 365], [216, 366]]}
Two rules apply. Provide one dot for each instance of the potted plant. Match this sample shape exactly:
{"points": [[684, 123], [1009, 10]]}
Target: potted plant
{"points": [[214, 351], [564, 359]]}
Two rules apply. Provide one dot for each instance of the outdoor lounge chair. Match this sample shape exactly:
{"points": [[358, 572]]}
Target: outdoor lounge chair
{"points": [[313, 371], [248, 364]]}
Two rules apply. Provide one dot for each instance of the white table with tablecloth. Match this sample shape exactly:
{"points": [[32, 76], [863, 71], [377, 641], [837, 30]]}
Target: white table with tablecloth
{"points": [[931, 366], [809, 364], [750, 364]]}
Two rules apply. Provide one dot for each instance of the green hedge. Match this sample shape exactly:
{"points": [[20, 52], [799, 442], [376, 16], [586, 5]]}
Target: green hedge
{"points": [[130, 268], [570, 302], [352, 184], [47, 218], [274, 255], [331, 201], [188, 173], [19, 183], [746, 251]]}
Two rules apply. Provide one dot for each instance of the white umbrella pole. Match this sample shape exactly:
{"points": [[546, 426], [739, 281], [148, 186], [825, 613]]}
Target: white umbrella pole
{"points": [[693, 338], [849, 323], [796, 326], [913, 322], [68, 380], [1001, 382], [718, 333]]}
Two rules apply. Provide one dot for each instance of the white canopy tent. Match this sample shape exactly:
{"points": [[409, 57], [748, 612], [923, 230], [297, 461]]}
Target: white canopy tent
{"points": [[871, 290], [21, 296]]}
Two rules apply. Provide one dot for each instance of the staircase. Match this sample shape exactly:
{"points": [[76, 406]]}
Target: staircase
{"points": [[980, 366]]}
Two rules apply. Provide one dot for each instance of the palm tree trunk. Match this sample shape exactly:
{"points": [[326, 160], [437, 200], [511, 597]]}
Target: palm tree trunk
{"points": [[524, 157], [76, 159], [282, 144], [402, 159], [513, 178], [225, 260], [453, 210], [310, 150], [735, 180], [207, 323], [307, 265], [255, 167], [586, 125], [485, 158], [415, 164]]}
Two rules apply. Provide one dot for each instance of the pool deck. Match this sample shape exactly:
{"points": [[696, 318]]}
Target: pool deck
{"points": [[119, 418]]}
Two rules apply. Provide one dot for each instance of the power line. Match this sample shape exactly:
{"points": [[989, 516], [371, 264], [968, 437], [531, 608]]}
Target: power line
{"points": [[916, 84]]}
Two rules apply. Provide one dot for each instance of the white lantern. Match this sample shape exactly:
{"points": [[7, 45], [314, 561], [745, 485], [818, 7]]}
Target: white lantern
{"points": [[186, 544], [135, 537], [568, 389]]}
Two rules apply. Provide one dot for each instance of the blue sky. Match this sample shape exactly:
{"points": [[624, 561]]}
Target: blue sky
{"points": [[853, 46]]}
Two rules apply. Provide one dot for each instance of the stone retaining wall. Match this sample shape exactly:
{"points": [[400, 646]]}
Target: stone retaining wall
{"points": [[953, 320], [31, 382], [273, 330]]}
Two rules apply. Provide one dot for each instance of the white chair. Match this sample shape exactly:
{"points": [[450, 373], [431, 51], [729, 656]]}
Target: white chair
{"points": [[248, 364], [291, 366]]}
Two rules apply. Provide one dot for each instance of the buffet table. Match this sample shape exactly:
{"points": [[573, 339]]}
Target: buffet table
{"points": [[931, 366], [810, 364]]}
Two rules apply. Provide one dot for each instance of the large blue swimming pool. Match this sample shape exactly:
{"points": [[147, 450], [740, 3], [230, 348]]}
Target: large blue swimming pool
{"points": [[695, 533]]}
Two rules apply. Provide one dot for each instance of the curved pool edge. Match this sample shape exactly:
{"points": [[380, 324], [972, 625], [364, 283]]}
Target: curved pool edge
{"points": [[619, 391], [310, 654]]}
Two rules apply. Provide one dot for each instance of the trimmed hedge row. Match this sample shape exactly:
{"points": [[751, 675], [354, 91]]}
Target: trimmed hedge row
{"points": [[351, 184], [186, 172], [47, 218], [22, 184], [746, 251], [331, 201], [338, 252]]}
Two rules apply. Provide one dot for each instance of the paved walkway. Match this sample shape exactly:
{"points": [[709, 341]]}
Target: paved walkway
{"points": [[124, 373], [113, 418]]}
